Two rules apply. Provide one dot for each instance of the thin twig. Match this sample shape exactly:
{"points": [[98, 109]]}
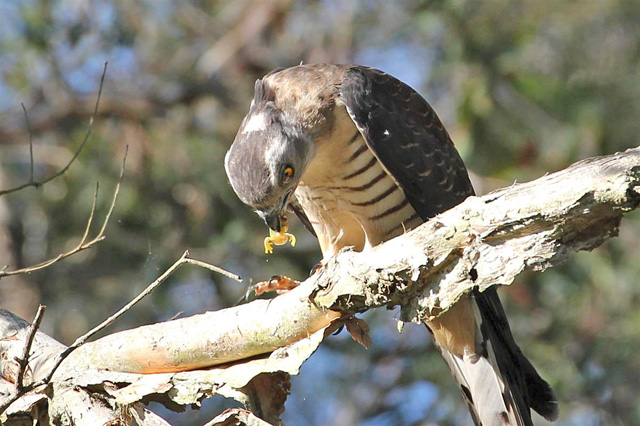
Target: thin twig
{"points": [[93, 211], [26, 120], [83, 244], [214, 268], [24, 360], [184, 259], [37, 184], [23, 363], [82, 339], [147, 291], [115, 193], [176, 316]]}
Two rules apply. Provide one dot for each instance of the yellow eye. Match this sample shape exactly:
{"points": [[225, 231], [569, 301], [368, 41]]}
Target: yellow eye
{"points": [[287, 172]]}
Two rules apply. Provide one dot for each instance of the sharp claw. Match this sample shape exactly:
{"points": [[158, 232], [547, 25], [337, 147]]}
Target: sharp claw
{"points": [[278, 283]]}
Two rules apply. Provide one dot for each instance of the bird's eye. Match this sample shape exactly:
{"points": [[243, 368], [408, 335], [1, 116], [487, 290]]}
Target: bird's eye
{"points": [[287, 173]]}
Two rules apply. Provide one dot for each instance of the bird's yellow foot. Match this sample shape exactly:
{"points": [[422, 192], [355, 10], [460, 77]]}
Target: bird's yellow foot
{"points": [[278, 238]]}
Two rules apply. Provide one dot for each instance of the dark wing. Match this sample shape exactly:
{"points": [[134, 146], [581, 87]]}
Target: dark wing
{"points": [[407, 137], [295, 207]]}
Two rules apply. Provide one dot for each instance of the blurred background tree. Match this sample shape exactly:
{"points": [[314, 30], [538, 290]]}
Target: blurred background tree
{"points": [[525, 88]]}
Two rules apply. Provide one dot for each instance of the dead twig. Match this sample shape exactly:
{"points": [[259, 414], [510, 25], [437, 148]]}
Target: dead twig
{"points": [[213, 268], [37, 184], [24, 359], [20, 389], [184, 259], [147, 291], [26, 120], [83, 244]]}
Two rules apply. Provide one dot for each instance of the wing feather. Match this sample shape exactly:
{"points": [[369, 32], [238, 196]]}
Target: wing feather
{"points": [[408, 139]]}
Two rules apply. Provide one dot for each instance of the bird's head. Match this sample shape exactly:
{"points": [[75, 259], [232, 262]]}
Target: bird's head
{"points": [[267, 159]]}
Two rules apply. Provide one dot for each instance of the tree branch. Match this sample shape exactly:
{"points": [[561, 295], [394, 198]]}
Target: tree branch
{"points": [[23, 364], [83, 244], [482, 242], [487, 240], [24, 359], [37, 184]]}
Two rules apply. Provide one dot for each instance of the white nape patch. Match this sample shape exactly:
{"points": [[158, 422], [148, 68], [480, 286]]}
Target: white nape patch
{"points": [[386, 133], [256, 123]]}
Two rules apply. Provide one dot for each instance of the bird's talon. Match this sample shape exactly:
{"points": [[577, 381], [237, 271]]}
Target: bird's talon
{"points": [[278, 283]]}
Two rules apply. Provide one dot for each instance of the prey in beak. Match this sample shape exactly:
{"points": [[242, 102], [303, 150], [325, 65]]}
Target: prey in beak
{"points": [[278, 226], [279, 238]]}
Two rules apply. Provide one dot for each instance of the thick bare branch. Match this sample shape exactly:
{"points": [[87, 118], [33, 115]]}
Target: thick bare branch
{"points": [[59, 358], [231, 334], [482, 242], [71, 404], [487, 240]]}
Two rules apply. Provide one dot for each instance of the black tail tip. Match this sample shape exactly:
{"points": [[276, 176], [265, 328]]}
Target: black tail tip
{"points": [[544, 400]]}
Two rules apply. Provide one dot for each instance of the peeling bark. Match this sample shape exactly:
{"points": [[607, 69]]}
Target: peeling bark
{"points": [[487, 240], [484, 241]]}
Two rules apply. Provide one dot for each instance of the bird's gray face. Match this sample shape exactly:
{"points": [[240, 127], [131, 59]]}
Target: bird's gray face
{"points": [[265, 163]]}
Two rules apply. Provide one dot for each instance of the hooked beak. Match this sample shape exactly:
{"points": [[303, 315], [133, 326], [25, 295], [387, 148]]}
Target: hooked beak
{"points": [[274, 218]]}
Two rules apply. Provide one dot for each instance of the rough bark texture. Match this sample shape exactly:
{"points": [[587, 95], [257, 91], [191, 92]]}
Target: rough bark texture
{"points": [[484, 241], [487, 240]]}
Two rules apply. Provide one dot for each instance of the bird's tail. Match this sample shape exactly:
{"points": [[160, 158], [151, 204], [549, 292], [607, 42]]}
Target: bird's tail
{"points": [[498, 382]]}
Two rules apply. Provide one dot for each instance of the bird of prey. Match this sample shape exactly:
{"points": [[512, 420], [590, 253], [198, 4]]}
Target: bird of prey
{"points": [[361, 158]]}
